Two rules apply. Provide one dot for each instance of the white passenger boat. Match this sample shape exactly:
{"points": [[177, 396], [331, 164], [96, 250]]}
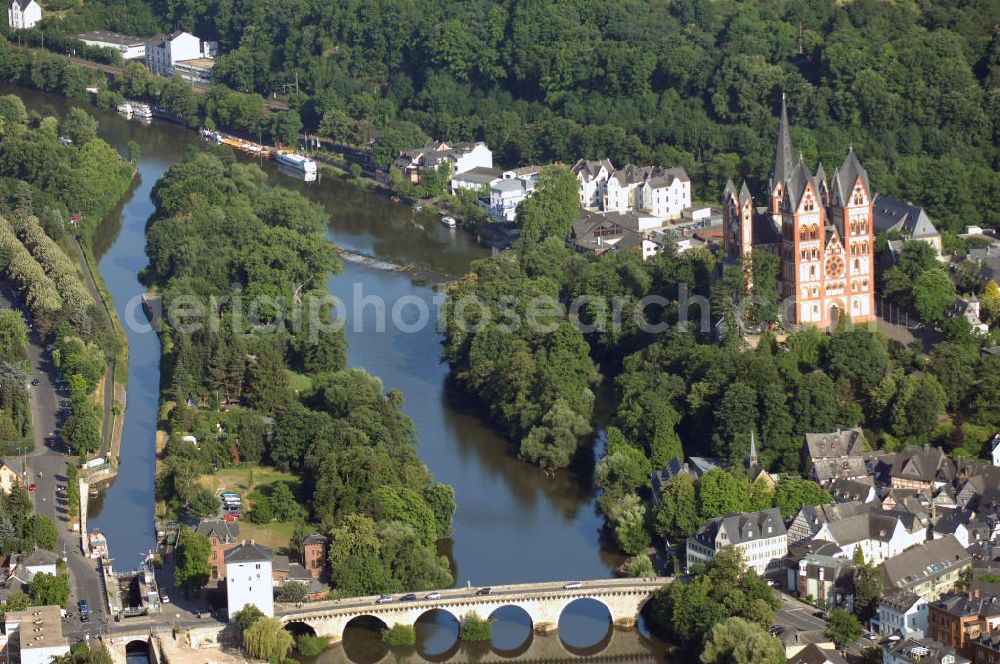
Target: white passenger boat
{"points": [[296, 162]]}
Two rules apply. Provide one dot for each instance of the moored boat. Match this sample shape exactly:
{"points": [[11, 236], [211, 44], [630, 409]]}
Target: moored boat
{"points": [[296, 161]]}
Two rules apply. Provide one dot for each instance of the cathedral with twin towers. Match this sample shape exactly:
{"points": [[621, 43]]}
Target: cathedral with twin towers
{"points": [[822, 232]]}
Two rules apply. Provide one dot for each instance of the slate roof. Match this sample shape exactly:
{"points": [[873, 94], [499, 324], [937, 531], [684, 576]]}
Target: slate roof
{"points": [[38, 557], [850, 490], [923, 464], [664, 177], [745, 193], [22, 4], [906, 219], [876, 525], [900, 600], [813, 654], [843, 442], [604, 231], [702, 465], [249, 552], [796, 184], [845, 177], [920, 563], [315, 538], [227, 532], [591, 168], [967, 605], [631, 174], [783, 163], [852, 467], [740, 528]]}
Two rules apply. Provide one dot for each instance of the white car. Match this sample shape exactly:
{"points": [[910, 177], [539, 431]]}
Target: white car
{"points": [[164, 598], [433, 595], [572, 585]]}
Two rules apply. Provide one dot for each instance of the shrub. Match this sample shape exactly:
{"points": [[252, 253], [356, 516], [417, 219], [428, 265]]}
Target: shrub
{"points": [[475, 628], [309, 645], [400, 635]]}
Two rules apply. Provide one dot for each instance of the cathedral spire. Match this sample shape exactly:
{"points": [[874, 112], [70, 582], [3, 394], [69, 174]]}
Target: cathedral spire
{"points": [[752, 461], [783, 161]]}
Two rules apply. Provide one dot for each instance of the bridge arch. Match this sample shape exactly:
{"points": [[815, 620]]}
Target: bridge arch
{"points": [[138, 647], [513, 631], [582, 618], [437, 631], [362, 639], [300, 627]]}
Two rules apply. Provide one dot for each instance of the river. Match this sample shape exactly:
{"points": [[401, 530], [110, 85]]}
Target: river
{"points": [[513, 523]]}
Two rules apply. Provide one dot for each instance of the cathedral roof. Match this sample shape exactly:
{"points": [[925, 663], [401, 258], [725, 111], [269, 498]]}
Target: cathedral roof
{"points": [[796, 184], [845, 177], [745, 193], [729, 192], [783, 161]]}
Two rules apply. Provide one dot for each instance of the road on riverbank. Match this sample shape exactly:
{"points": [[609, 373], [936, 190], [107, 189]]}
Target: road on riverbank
{"points": [[46, 467]]}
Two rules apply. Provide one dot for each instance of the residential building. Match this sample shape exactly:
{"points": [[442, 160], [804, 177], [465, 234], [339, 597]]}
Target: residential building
{"points": [[701, 465], [35, 635], [967, 307], [38, 561], [476, 179], [249, 579], [623, 188], [223, 536], [506, 194], [903, 613], [8, 477], [825, 578], [986, 650], [131, 48], [921, 651], [182, 54], [961, 618], [911, 222], [813, 654], [665, 193], [593, 177], [284, 571], [822, 232], [460, 157], [601, 232], [807, 522], [837, 455], [928, 570], [954, 524], [314, 550], [798, 640], [879, 535], [922, 468], [23, 14], [988, 259], [760, 536], [995, 450], [853, 490]]}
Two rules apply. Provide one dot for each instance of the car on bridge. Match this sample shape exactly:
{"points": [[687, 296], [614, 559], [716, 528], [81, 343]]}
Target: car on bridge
{"points": [[408, 597], [572, 585], [384, 599], [433, 595], [485, 591]]}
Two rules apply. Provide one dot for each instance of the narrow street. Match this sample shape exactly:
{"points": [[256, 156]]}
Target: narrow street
{"points": [[46, 467]]}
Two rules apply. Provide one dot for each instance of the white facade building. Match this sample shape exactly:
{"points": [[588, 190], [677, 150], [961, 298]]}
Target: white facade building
{"points": [[995, 449], [760, 536], [593, 177], [879, 535], [507, 193], [35, 636], [131, 48], [666, 194], [248, 578], [904, 613], [182, 54], [22, 14]]}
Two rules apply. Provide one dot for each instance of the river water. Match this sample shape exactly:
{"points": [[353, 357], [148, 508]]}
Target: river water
{"points": [[513, 523]]}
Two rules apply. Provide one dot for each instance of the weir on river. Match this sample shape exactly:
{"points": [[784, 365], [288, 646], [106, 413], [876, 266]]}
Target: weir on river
{"points": [[514, 524]]}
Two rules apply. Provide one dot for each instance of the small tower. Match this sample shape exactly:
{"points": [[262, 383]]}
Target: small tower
{"points": [[752, 459]]}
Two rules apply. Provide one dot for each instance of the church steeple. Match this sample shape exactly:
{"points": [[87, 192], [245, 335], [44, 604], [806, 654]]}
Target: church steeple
{"points": [[783, 164], [752, 460]]}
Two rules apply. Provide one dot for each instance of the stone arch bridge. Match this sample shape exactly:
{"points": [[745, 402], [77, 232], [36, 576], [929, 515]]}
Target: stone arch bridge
{"points": [[542, 602]]}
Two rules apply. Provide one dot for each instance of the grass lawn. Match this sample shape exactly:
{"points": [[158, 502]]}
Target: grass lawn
{"points": [[245, 479], [298, 382], [248, 481]]}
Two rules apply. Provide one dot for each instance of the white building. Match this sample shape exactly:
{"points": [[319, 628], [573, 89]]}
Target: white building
{"points": [[34, 636], [182, 54], [248, 578], [904, 613], [879, 535], [22, 15], [593, 177], [921, 651], [508, 192], [995, 449], [760, 536], [39, 561], [622, 188], [131, 48], [665, 193], [460, 157]]}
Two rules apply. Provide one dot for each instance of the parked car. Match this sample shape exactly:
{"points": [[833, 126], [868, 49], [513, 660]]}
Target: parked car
{"points": [[572, 585], [232, 516], [163, 596], [820, 614], [433, 595], [35, 383], [485, 591], [384, 599], [82, 605], [408, 597], [84, 618], [32, 487]]}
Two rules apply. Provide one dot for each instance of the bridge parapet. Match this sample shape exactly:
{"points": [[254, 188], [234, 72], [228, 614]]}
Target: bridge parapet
{"points": [[542, 602]]}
